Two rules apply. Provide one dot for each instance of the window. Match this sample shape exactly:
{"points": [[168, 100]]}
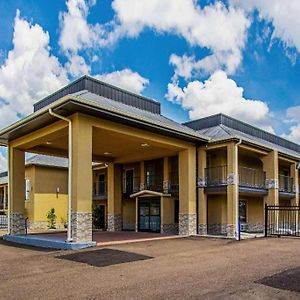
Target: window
{"points": [[243, 211], [27, 189]]}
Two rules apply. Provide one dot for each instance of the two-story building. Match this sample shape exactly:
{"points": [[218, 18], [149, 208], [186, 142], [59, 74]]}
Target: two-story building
{"points": [[147, 172]]}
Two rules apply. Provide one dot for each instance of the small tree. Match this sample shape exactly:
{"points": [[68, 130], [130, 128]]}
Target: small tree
{"points": [[51, 217]]}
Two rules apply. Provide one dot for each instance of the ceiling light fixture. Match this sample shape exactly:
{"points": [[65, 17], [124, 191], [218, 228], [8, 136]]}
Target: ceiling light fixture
{"points": [[107, 153], [145, 145], [48, 143]]}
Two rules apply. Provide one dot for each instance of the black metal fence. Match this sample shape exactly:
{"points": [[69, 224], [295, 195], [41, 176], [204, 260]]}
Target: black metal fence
{"points": [[282, 220], [3, 221]]}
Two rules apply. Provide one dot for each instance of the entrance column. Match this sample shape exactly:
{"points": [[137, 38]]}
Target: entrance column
{"points": [[82, 180], [270, 165], [201, 182], [295, 200], [114, 198], [142, 175], [187, 191], [232, 190], [16, 183]]}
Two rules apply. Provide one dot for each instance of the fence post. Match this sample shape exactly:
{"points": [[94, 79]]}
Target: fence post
{"points": [[266, 219]]}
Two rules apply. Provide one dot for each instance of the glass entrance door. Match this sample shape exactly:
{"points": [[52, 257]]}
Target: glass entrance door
{"points": [[149, 214]]}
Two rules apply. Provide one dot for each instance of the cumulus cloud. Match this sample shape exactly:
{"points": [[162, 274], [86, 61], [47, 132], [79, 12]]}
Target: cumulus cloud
{"points": [[77, 66], [293, 118], [3, 163], [283, 15], [29, 72], [219, 94], [126, 79], [220, 29]]}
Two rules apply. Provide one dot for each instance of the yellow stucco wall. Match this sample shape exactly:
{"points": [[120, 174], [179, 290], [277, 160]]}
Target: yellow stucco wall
{"points": [[254, 209], [217, 209], [129, 213]]}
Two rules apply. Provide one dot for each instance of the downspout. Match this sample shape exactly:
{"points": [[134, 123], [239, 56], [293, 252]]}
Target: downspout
{"points": [[69, 234], [237, 221]]}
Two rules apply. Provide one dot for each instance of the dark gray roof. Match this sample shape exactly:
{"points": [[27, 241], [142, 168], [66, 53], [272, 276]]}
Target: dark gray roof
{"points": [[46, 160], [136, 113], [102, 89], [220, 126]]}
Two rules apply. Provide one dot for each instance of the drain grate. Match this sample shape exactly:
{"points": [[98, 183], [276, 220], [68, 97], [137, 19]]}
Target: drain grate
{"points": [[287, 280], [104, 257]]}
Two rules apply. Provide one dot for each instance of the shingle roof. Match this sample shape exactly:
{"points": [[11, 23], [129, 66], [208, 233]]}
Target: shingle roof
{"points": [[136, 113], [46, 160]]}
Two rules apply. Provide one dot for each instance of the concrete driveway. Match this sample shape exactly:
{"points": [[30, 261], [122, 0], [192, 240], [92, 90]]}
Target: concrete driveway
{"points": [[187, 268]]}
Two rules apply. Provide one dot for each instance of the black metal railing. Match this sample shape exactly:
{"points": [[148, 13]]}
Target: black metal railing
{"points": [[100, 189], [153, 183], [282, 220], [251, 177], [216, 176], [131, 185], [174, 183], [286, 184]]}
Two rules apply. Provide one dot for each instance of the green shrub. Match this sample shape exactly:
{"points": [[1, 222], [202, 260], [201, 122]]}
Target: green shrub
{"points": [[51, 217]]}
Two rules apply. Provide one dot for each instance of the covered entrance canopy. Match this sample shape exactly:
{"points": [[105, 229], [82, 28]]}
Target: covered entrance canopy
{"points": [[98, 130]]}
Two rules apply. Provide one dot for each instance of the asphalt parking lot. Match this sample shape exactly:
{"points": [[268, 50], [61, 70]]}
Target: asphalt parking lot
{"points": [[189, 268]]}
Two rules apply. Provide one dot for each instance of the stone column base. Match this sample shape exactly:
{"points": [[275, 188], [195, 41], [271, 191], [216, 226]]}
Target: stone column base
{"points": [[187, 224], [17, 223], [169, 228], [114, 222], [82, 226], [216, 229], [202, 229], [230, 230]]}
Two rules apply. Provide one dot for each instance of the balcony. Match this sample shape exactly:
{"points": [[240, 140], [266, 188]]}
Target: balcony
{"points": [[216, 176], [131, 185], [252, 178], [153, 183], [100, 190], [286, 184]]}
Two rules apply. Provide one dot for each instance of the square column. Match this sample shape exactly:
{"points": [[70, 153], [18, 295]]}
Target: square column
{"points": [[166, 176], [114, 198], [295, 200], [232, 190], [270, 165], [187, 191], [5, 198], [82, 180], [202, 197], [17, 191]]}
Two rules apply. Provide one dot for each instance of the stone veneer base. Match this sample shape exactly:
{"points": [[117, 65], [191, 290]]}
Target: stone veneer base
{"points": [[169, 228], [202, 229], [17, 223], [114, 222], [216, 229], [187, 224], [82, 226]]}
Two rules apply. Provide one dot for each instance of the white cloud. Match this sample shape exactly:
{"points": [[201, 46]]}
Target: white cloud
{"points": [[293, 117], [76, 66], [219, 94], [284, 16], [3, 163], [29, 72], [215, 27], [126, 79]]}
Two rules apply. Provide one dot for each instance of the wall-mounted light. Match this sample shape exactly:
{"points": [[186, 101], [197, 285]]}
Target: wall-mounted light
{"points": [[57, 191]]}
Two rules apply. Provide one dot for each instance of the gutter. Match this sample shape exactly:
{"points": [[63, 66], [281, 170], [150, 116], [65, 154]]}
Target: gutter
{"points": [[69, 234]]}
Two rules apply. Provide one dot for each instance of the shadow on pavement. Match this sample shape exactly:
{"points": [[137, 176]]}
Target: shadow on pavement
{"points": [[104, 257], [287, 280]]}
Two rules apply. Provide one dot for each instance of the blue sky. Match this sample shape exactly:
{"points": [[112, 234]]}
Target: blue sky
{"points": [[196, 57]]}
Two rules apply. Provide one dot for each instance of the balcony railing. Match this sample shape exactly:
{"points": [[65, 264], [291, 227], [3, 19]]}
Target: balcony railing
{"points": [[131, 185], [100, 189], [286, 184], [153, 183], [251, 177], [174, 183], [216, 176]]}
